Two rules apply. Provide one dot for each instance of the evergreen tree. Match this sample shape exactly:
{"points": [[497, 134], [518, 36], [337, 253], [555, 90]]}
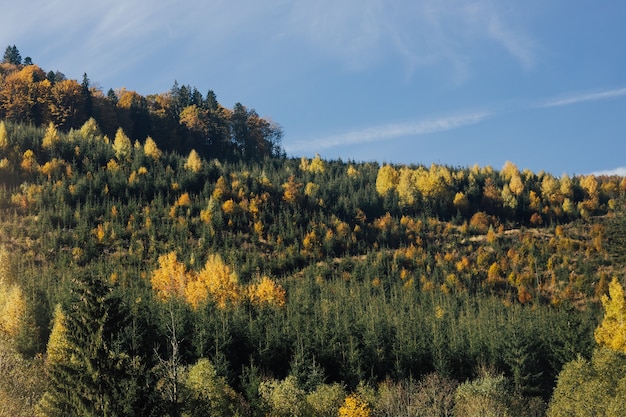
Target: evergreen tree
{"points": [[12, 56], [90, 370], [86, 92]]}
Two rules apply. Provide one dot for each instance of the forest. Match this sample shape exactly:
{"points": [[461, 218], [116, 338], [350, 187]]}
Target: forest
{"points": [[163, 256]]}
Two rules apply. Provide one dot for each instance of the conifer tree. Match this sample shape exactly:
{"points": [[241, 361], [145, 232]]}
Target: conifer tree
{"points": [[12, 56], [90, 371]]}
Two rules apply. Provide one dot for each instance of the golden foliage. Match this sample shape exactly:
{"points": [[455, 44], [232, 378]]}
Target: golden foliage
{"points": [[509, 170], [12, 309], [51, 137], [194, 163], [151, 149], [29, 164], [386, 180], [112, 166], [291, 190], [460, 201], [354, 406], [220, 281], [311, 189], [58, 350], [612, 331], [267, 292], [480, 221], [183, 200], [352, 172], [90, 130], [228, 206], [194, 118], [4, 137], [65, 103], [316, 165], [122, 145], [51, 168], [170, 278]]}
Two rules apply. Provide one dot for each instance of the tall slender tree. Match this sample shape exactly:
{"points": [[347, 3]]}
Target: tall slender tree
{"points": [[90, 370]]}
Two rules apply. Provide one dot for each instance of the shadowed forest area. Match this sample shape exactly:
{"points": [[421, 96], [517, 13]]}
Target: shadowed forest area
{"points": [[162, 256]]}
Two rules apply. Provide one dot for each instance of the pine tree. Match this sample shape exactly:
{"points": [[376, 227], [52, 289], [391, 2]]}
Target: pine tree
{"points": [[12, 56], [90, 371]]}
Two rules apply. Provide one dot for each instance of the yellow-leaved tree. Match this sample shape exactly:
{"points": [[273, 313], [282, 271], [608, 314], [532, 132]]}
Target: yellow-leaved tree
{"points": [[4, 137], [597, 387], [267, 292], [170, 278], [194, 163], [387, 179], [218, 280], [122, 145], [12, 303], [612, 331], [354, 406], [151, 149]]}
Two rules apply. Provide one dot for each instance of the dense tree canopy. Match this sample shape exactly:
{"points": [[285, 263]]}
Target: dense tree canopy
{"points": [[160, 255]]}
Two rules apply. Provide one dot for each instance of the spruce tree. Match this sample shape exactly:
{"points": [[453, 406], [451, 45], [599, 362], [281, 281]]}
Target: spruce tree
{"points": [[90, 371], [12, 56]]}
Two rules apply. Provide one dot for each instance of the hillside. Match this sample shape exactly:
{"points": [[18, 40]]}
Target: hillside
{"points": [[157, 270]]}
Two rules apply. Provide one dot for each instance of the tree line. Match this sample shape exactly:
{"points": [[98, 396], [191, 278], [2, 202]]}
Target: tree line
{"points": [[181, 119]]}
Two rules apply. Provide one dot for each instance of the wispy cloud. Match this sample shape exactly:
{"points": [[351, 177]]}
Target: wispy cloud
{"points": [[109, 39], [620, 171], [580, 98], [360, 33], [388, 132]]}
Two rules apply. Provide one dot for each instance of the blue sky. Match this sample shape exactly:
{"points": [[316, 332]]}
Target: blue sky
{"points": [[539, 83]]}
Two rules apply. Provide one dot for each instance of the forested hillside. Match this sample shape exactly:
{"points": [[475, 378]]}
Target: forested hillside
{"points": [[161, 255]]}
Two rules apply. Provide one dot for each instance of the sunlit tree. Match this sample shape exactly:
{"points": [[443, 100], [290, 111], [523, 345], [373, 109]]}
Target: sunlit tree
{"points": [[51, 138], [194, 163], [170, 278], [208, 394], [386, 180], [122, 145], [612, 331], [151, 149], [4, 137], [354, 406], [218, 280], [267, 292]]}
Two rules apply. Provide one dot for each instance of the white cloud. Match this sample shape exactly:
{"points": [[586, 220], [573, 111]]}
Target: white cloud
{"points": [[620, 171], [580, 98], [387, 132]]}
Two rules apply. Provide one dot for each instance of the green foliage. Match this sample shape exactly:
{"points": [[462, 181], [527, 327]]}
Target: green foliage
{"points": [[284, 398], [487, 396], [591, 387], [89, 368], [12, 56], [21, 382], [207, 393]]}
